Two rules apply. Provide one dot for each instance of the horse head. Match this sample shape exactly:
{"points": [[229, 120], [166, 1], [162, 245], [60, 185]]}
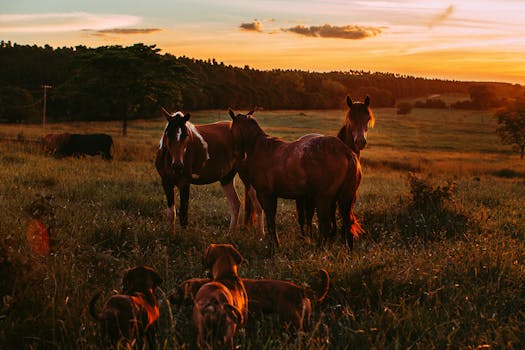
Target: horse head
{"points": [[358, 118], [175, 138], [241, 124]]}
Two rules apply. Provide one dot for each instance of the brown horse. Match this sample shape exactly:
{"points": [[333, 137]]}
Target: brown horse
{"points": [[358, 119], [319, 169], [196, 154], [353, 133]]}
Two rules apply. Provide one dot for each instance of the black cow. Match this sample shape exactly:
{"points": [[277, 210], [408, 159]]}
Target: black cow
{"points": [[79, 144]]}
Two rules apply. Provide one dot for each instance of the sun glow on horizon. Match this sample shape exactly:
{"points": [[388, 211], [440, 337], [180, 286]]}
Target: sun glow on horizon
{"points": [[467, 40]]}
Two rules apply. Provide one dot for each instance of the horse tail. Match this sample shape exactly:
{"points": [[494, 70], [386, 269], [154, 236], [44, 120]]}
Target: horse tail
{"points": [[355, 229], [92, 311]]}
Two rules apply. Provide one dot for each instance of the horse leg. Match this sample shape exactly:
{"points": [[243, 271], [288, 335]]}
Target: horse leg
{"points": [[171, 213], [333, 220], [269, 205], [257, 209], [249, 214], [351, 227], [184, 196], [324, 208], [300, 209], [233, 203], [309, 212], [344, 211]]}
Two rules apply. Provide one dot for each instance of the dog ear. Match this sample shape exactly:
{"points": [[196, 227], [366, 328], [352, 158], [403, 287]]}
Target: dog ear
{"points": [[129, 279], [234, 313], [157, 280], [209, 256], [237, 255]]}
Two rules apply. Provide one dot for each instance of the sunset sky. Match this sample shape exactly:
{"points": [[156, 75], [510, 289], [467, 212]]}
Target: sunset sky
{"points": [[463, 40]]}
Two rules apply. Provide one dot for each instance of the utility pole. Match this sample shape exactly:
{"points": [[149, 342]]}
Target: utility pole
{"points": [[45, 87]]}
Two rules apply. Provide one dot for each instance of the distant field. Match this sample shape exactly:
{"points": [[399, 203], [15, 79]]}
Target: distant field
{"points": [[446, 275]]}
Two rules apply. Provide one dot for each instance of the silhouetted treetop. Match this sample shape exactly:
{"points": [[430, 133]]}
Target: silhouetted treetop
{"points": [[116, 82]]}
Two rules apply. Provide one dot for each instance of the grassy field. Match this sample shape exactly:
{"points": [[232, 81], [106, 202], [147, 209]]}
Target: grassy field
{"points": [[442, 264]]}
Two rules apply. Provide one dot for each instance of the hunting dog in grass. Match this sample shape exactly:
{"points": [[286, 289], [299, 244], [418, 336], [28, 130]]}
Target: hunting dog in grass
{"points": [[220, 305], [131, 316], [291, 302]]}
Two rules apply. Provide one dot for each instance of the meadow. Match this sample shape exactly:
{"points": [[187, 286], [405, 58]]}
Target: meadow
{"points": [[441, 266]]}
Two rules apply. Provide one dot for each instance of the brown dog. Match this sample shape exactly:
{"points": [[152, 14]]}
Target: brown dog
{"points": [[131, 315], [291, 302], [220, 306]]}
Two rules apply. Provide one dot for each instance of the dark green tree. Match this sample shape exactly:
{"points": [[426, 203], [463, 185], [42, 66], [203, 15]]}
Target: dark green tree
{"points": [[124, 83], [511, 128], [16, 104]]}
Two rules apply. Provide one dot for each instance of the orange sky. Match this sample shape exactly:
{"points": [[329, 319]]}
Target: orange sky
{"points": [[463, 40]]}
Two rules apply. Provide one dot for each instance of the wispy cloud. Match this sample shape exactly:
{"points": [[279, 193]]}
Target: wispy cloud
{"points": [[126, 31], [255, 26], [342, 32], [64, 22], [441, 17]]}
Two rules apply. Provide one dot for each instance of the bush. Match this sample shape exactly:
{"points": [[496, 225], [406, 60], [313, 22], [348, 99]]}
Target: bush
{"points": [[431, 103], [426, 197], [404, 108]]}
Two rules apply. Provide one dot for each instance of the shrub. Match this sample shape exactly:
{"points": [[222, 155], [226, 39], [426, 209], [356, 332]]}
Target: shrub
{"points": [[404, 108], [426, 197], [431, 103]]}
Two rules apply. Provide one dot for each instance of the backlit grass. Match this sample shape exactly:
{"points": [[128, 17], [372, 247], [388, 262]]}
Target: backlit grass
{"points": [[452, 276]]}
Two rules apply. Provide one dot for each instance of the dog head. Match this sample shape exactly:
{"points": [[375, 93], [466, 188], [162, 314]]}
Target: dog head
{"points": [[186, 291], [140, 279], [221, 259], [220, 323]]}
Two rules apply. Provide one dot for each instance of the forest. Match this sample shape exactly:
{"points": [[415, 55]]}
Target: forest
{"points": [[121, 83]]}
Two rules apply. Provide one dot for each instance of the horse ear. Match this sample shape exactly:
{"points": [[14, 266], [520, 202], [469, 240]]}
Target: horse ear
{"points": [[186, 117], [367, 101], [349, 101], [166, 113], [232, 115]]}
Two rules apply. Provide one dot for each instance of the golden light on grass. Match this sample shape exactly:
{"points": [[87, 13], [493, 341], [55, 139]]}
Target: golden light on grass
{"points": [[38, 237]]}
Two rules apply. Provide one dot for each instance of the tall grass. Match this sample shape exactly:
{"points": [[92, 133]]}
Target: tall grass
{"points": [[449, 274]]}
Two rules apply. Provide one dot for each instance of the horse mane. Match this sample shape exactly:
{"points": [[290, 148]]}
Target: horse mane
{"points": [[254, 129], [193, 130], [371, 122]]}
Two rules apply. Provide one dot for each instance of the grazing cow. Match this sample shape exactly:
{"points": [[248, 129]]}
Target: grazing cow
{"points": [[53, 143], [77, 145]]}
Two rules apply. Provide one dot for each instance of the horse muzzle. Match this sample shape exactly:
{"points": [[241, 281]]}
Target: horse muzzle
{"points": [[177, 167], [360, 142]]}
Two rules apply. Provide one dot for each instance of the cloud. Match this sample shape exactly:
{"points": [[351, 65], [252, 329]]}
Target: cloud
{"points": [[442, 16], [63, 22], [126, 31], [255, 26], [341, 32]]}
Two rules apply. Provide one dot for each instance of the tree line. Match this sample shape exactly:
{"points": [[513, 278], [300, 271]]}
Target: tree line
{"points": [[115, 82]]}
